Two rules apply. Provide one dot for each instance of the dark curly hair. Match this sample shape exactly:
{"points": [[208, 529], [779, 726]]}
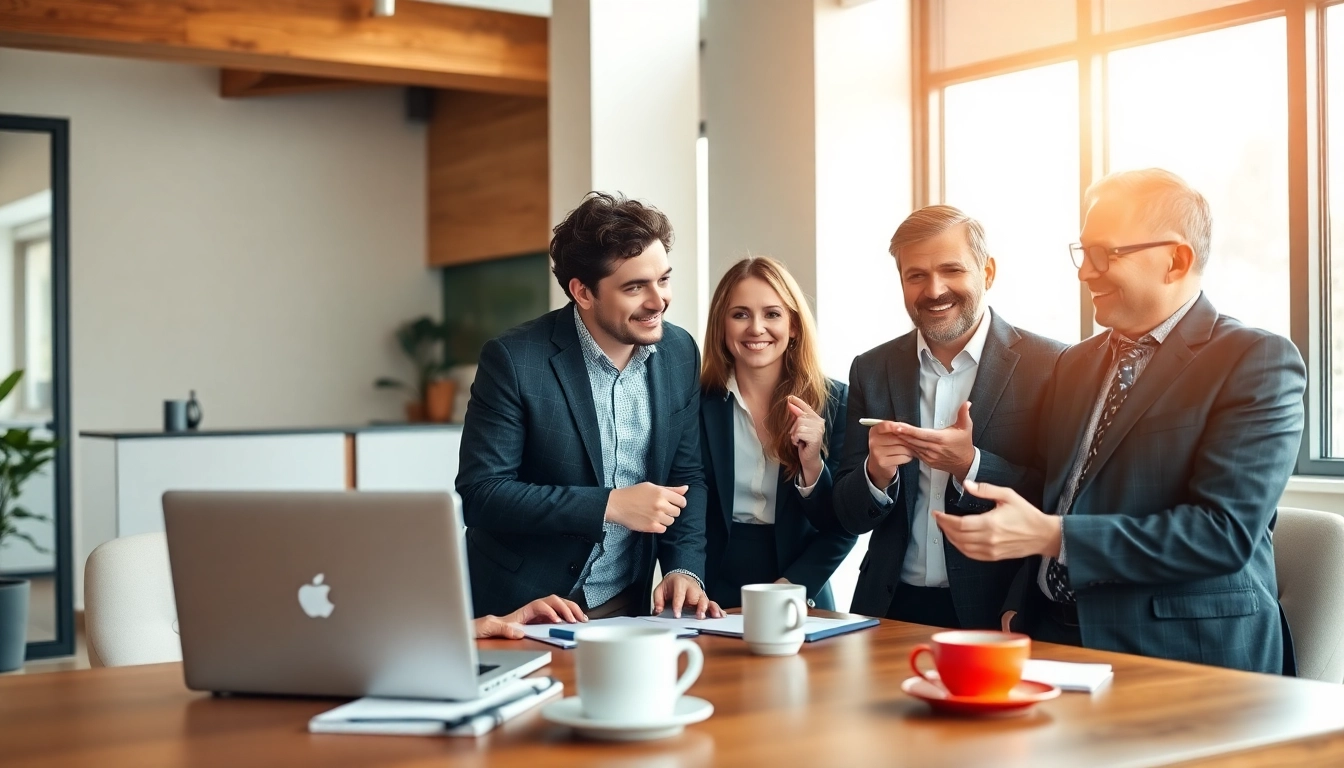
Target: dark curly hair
{"points": [[601, 230]]}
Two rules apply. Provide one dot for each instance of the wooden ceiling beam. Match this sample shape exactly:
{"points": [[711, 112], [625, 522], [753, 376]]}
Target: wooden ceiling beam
{"points": [[242, 83], [428, 44]]}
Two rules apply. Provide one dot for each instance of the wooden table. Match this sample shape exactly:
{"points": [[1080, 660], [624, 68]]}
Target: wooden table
{"points": [[838, 703]]}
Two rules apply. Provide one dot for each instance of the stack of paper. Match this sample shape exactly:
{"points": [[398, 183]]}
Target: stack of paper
{"points": [[563, 634], [1068, 676], [409, 717]]}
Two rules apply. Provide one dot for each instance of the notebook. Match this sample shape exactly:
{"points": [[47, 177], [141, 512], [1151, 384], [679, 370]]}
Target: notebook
{"points": [[1068, 676], [561, 635], [416, 717], [814, 628]]}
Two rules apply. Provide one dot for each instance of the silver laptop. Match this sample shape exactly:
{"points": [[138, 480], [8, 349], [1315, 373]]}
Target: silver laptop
{"points": [[328, 594]]}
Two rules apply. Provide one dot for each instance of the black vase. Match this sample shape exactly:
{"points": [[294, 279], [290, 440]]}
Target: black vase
{"points": [[194, 413], [13, 623]]}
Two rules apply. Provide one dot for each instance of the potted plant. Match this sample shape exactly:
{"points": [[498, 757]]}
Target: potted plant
{"points": [[21, 457], [423, 340]]}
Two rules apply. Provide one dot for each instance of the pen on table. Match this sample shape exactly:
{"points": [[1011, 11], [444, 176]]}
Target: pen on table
{"points": [[488, 720]]}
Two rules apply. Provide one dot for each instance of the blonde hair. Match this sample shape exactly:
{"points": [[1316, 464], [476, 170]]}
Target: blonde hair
{"points": [[1165, 202], [802, 376], [934, 220]]}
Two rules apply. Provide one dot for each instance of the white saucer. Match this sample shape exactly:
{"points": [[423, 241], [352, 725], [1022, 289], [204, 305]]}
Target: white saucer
{"points": [[568, 711]]}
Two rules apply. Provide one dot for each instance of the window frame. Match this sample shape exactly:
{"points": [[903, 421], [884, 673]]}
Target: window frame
{"points": [[1308, 219]]}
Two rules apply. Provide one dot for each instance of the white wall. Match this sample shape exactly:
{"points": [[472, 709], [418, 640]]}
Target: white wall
{"points": [[259, 251], [808, 113], [625, 115]]}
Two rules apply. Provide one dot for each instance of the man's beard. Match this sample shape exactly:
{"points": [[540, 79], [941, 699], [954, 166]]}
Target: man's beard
{"points": [[624, 334], [959, 319]]}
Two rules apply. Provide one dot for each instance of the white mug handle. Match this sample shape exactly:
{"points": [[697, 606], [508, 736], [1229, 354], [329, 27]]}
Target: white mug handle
{"points": [[793, 619], [695, 661]]}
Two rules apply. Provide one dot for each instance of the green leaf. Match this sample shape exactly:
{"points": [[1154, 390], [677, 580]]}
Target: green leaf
{"points": [[9, 383], [31, 541], [17, 437], [22, 514]]}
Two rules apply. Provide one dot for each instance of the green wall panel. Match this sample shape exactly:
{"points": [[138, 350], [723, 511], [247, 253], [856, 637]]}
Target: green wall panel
{"points": [[482, 300]]}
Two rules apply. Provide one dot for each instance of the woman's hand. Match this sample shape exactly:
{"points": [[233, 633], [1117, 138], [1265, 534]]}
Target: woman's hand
{"points": [[807, 433], [547, 610]]}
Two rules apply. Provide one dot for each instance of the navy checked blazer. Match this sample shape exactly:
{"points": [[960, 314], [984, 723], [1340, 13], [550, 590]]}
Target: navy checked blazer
{"points": [[1010, 384], [531, 464], [1169, 540]]}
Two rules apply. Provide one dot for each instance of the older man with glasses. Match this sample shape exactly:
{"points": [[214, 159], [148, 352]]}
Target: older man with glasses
{"points": [[1167, 442]]}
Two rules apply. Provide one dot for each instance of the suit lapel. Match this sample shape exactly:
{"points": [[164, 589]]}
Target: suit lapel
{"points": [[903, 376], [718, 421], [661, 399], [1083, 392], [572, 373], [1170, 359], [995, 370]]}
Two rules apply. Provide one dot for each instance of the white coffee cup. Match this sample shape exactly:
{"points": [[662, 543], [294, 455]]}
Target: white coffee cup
{"points": [[772, 618], [629, 674]]}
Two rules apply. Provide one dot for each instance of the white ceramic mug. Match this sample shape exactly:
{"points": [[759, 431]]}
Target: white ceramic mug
{"points": [[772, 618], [629, 674]]}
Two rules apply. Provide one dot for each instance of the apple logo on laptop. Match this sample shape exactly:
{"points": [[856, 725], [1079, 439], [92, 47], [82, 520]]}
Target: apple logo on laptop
{"points": [[313, 598]]}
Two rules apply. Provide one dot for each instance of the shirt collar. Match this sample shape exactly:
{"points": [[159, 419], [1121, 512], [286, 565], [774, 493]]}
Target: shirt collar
{"points": [[975, 346], [730, 388], [594, 354], [1161, 332]]}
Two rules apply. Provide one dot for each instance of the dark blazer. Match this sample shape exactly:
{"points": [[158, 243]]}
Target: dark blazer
{"points": [[806, 555], [1010, 384], [1168, 542], [531, 463]]}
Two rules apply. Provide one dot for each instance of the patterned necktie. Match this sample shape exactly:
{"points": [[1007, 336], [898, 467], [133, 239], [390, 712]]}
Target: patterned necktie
{"points": [[1128, 353]]}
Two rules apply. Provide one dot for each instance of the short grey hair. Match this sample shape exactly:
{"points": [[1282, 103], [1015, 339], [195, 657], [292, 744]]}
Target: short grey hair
{"points": [[1165, 202], [934, 220]]}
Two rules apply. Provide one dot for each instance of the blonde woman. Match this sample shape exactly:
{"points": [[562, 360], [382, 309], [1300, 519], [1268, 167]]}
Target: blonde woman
{"points": [[772, 428]]}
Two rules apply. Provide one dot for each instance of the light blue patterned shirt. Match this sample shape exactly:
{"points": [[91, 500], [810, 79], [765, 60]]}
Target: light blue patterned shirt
{"points": [[624, 419]]}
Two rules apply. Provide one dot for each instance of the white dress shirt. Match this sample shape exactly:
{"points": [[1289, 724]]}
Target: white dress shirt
{"points": [[755, 475], [941, 394]]}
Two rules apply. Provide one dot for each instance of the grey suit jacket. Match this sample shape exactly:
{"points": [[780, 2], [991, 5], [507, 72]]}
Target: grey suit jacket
{"points": [[531, 463], [1005, 400], [1169, 539]]}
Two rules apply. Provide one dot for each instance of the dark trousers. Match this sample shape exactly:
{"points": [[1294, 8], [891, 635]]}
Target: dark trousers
{"points": [[931, 606], [749, 558], [1052, 622]]}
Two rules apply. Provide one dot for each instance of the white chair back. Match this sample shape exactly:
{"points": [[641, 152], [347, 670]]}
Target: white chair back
{"points": [[129, 613], [1309, 562]]}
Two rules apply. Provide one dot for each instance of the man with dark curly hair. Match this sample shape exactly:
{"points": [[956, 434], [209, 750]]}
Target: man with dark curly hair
{"points": [[580, 460]]}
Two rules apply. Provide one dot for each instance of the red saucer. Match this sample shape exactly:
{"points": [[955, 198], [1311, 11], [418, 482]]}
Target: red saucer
{"points": [[1021, 698]]}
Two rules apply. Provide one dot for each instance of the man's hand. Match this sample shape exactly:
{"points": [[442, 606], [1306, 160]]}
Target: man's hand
{"points": [[948, 449], [547, 610], [807, 434], [1013, 528], [678, 590], [645, 508], [887, 451]]}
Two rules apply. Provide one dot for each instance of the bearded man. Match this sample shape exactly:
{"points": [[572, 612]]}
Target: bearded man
{"points": [[955, 400]]}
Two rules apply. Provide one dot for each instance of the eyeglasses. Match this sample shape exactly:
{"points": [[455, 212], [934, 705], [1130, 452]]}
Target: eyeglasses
{"points": [[1100, 256]]}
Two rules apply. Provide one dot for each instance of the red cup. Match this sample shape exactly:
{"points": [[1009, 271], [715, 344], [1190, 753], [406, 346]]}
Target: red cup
{"points": [[975, 663]]}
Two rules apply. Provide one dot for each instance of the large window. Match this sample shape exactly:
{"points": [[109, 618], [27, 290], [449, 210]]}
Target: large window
{"points": [[1222, 92]]}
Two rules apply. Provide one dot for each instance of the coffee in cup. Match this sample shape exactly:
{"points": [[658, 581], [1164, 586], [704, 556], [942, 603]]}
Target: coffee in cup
{"points": [[772, 618], [629, 674], [975, 663]]}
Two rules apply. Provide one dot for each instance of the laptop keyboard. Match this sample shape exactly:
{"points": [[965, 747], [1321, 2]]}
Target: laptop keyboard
{"points": [[481, 669]]}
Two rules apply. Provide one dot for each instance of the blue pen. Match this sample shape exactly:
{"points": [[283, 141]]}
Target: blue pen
{"points": [[562, 633]]}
